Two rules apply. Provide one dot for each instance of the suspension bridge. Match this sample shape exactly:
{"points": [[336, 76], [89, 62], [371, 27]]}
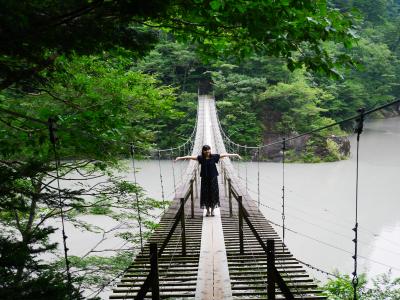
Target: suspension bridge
{"points": [[235, 255]]}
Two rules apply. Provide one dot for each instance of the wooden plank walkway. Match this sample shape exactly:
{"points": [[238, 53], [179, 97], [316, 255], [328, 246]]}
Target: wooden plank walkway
{"points": [[213, 266], [213, 280], [177, 273], [248, 271]]}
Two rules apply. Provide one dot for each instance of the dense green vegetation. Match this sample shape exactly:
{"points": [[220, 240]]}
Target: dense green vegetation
{"points": [[382, 287], [111, 73], [260, 100], [100, 109]]}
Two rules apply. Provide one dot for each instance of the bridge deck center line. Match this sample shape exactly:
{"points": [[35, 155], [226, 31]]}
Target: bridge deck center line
{"points": [[213, 281]]}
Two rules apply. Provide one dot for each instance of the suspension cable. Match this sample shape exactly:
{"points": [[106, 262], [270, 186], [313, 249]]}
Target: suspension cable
{"points": [[276, 210], [173, 169], [114, 278], [333, 246], [137, 196], [180, 165], [258, 177], [359, 130], [316, 268], [245, 164], [237, 161], [317, 215], [53, 140], [179, 241], [161, 180], [260, 271], [256, 222], [282, 265], [365, 113], [283, 190]]}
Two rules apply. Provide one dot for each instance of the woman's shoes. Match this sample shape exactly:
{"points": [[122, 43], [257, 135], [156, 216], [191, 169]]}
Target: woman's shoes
{"points": [[210, 214]]}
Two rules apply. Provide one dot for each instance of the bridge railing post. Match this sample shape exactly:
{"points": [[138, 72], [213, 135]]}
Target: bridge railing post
{"points": [[183, 232], [195, 185], [270, 269], [155, 286], [241, 225], [191, 198], [225, 182], [230, 196]]}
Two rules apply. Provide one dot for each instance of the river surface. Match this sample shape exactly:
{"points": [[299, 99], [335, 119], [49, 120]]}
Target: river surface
{"points": [[320, 202]]}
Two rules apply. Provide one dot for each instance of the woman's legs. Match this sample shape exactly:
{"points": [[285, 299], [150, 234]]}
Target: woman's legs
{"points": [[209, 195], [208, 212], [214, 194]]}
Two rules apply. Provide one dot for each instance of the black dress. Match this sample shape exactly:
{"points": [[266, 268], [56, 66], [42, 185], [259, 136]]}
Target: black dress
{"points": [[209, 192]]}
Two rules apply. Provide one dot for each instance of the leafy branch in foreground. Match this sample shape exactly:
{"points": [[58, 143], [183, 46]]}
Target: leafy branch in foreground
{"points": [[383, 287]]}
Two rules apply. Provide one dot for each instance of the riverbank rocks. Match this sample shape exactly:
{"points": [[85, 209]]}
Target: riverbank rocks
{"points": [[306, 149]]}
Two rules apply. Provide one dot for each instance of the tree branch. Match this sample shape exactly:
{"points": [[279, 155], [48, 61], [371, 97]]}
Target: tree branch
{"points": [[69, 103], [17, 76], [18, 128]]}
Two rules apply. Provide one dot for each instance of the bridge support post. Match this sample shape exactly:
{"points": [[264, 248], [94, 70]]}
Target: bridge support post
{"points": [[270, 268], [155, 287], [183, 232], [224, 181], [191, 198], [195, 185], [241, 225], [230, 197]]}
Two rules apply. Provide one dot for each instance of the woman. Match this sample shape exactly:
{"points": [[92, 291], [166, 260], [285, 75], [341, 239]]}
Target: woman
{"points": [[209, 192]]}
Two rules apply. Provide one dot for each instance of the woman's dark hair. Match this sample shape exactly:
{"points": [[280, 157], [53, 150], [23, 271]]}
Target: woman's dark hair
{"points": [[205, 148]]}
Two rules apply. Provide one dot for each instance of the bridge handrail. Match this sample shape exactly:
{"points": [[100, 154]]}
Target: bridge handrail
{"points": [[179, 216], [152, 278], [273, 274]]}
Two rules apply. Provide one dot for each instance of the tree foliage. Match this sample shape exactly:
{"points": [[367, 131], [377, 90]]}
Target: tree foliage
{"points": [[383, 287], [34, 33], [101, 106]]}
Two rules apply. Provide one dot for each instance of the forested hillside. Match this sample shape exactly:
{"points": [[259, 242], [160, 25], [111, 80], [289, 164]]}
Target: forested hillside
{"points": [[260, 100]]}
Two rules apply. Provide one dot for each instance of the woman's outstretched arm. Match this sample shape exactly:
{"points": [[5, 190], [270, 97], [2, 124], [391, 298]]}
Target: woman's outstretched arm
{"points": [[230, 155], [186, 157]]}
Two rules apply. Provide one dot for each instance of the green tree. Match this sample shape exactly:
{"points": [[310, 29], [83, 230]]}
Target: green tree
{"points": [[175, 64], [238, 104], [100, 107], [300, 105], [34, 34], [383, 287]]}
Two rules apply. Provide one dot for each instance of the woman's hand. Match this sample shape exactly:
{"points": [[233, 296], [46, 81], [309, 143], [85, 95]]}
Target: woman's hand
{"points": [[178, 158]]}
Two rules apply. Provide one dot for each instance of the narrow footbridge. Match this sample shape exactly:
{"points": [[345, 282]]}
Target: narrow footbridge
{"points": [[234, 255]]}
